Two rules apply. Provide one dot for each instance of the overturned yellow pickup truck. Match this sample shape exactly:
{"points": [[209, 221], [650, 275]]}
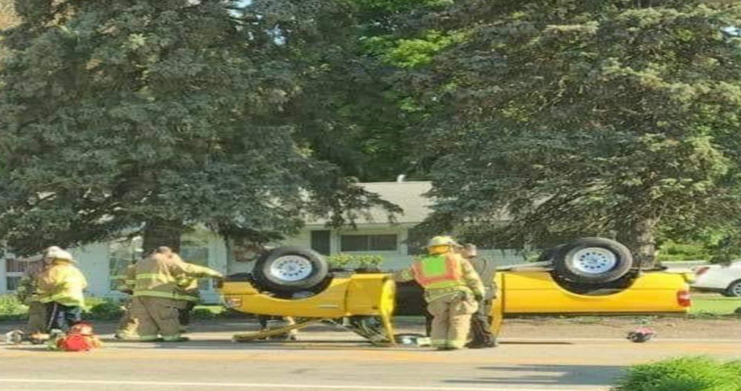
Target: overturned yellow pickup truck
{"points": [[587, 276]]}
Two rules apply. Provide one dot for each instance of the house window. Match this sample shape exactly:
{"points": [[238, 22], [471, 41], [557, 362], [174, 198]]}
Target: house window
{"points": [[320, 241], [14, 270], [12, 283], [122, 253], [416, 241], [368, 242]]}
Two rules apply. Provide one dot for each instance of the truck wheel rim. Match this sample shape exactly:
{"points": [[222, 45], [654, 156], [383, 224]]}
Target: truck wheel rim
{"points": [[594, 260], [291, 268], [736, 289]]}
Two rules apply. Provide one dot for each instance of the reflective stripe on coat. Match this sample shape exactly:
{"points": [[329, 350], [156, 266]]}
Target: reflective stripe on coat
{"points": [[62, 283]]}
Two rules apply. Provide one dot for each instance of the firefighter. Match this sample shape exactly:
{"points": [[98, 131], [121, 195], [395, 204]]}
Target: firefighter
{"points": [[452, 290], [482, 336], [61, 288], [125, 281], [28, 293], [158, 299]]}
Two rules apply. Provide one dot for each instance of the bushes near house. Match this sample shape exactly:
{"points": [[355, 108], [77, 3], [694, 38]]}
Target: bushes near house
{"points": [[206, 313], [339, 261], [347, 261], [106, 309], [11, 308], [683, 374], [102, 309]]}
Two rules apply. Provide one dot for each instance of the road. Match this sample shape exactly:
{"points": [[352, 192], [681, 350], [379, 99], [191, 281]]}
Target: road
{"points": [[337, 361]]}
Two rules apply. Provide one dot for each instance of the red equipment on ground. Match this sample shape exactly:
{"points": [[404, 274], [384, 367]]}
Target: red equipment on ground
{"points": [[79, 338]]}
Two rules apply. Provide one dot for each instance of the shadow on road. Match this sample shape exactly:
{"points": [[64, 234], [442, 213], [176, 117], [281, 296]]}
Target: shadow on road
{"points": [[576, 375]]}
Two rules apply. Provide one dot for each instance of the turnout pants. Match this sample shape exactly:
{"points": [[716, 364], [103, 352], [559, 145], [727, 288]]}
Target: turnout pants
{"points": [[451, 320], [128, 325], [481, 325], [62, 317], [36, 318], [157, 316]]}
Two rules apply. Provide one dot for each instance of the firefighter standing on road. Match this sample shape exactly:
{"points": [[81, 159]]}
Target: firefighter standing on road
{"points": [[158, 299], [452, 289], [61, 287], [482, 336]]}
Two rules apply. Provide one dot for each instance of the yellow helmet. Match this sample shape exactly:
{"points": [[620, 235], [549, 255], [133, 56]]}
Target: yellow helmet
{"points": [[441, 241], [440, 244]]}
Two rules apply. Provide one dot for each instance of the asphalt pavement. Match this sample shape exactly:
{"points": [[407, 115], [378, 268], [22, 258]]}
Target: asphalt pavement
{"points": [[324, 360]]}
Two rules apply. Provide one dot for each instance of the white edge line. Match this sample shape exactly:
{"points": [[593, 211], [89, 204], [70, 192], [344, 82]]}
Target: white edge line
{"points": [[261, 385]]}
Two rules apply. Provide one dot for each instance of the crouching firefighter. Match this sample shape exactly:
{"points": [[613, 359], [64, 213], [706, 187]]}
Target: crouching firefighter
{"points": [[61, 287], [157, 297], [452, 290]]}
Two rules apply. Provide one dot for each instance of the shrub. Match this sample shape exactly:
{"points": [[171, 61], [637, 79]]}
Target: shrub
{"points": [[203, 314], [683, 374], [339, 261], [370, 261], [103, 309], [11, 308]]}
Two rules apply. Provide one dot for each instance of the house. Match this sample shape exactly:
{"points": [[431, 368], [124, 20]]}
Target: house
{"points": [[373, 235]]}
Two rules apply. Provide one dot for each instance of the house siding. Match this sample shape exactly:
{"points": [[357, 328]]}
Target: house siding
{"points": [[94, 259], [94, 262]]}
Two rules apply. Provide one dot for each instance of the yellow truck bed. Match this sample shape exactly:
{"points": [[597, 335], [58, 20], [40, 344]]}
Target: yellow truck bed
{"points": [[536, 292]]}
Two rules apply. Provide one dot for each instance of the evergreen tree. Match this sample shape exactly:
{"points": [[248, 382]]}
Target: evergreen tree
{"points": [[574, 117], [153, 114]]}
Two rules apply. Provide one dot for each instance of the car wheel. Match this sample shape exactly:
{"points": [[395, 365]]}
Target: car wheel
{"points": [[290, 269], [593, 261], [734, 290]]}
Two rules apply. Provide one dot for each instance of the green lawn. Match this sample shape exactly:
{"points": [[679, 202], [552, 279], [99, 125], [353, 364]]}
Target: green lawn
{"points": [[714, 304]]}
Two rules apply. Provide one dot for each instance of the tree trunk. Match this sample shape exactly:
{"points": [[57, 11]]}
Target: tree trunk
{"points": [[162, 233], [638, 235]]}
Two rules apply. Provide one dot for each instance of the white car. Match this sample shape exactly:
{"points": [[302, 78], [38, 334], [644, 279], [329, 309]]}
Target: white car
{"points": [[718, 278]]}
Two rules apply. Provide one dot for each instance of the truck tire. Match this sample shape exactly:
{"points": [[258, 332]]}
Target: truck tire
{"points": [[290, 270], [592, 261]]}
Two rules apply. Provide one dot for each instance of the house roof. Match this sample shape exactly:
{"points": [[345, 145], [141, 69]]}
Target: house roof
{"points": [[407, 195]]}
